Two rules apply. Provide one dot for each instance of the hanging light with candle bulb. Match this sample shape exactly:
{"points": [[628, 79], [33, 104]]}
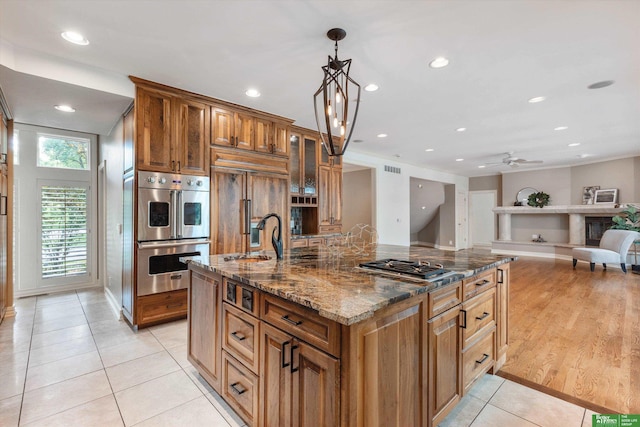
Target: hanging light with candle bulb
{"points": [[331, 101]]}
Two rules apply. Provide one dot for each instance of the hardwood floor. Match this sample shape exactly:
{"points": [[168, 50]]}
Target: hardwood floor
{"points": [[576, 334]]}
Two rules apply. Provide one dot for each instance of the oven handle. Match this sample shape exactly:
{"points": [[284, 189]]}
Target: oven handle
{"points": [[172, 213], [171, 244], [178, 209]]}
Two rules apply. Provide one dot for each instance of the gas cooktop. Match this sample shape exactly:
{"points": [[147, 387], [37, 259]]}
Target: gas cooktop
{"points": [[419, 269]]}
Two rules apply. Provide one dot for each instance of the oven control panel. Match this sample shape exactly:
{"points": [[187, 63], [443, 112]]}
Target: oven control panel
{"points": [[170, 181]]}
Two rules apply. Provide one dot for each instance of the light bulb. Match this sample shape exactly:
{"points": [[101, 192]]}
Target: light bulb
{"points": [[342, 130], [335, 122], [329, 110], [337, 97]]}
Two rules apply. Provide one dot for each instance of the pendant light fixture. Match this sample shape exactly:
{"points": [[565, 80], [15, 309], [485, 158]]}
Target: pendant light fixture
{"points": [[331, 101]]}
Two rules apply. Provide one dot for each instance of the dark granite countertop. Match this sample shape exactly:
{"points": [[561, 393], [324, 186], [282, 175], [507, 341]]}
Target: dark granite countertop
{"points": [[336, 287]]}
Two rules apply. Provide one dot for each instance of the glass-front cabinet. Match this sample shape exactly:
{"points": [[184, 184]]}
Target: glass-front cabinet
{"points": [[304, 164]]}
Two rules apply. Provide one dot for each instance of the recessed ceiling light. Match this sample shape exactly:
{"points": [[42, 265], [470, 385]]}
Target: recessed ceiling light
{"points": [[75, 38], [65, 108], [253, 93], [423, 208], [439, 62], [600, 85], [537, 99], [574, 144], [459, 160], [461, 129], [357, 141], [382, 135], [583, 156], [371, 87], [481, 167], [419, 185], [561, 128], [428, 150]]}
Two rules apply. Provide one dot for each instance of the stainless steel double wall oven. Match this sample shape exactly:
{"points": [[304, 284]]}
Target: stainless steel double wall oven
{"points": [[173, 221]]}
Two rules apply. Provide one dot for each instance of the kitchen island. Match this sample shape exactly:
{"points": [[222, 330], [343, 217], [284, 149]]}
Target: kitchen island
{"points": [[315, 339]]}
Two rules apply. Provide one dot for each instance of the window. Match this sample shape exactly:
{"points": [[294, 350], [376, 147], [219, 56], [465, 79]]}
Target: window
{"points": [[64, 230], [63, 152]]}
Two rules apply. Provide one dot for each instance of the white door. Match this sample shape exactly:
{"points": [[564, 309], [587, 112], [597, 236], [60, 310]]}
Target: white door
{"points": [[482, 219]]}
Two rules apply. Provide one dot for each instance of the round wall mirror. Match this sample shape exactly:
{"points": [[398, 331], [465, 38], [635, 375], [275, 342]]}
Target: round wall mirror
{"points": [[523, 195]]}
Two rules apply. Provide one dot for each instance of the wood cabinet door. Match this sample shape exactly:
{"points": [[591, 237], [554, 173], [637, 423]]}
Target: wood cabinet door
{"points": [[192, 137], [281, 140], [316, 387], [445, 379], [324, 195], [223, 127], [275, 377], [391, 384], [502, 318], [335, 195], [244, 131], [269, 194], [263, 135], [153, 130], [228, 198], [204, 349]]}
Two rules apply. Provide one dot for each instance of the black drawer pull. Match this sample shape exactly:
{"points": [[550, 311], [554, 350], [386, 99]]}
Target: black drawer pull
{"points": [[464, 319], [484, 315], [293, 348], [176, 276], [238, 337], [293, 322], [485, 356], [236, 389], [484, 282], [500, 276]]}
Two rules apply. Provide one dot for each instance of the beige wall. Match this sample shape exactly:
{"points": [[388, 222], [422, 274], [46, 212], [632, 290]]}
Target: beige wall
{"points": [[618, 174], [555, 182], [483, 183], [430, 195], [357, 204]]}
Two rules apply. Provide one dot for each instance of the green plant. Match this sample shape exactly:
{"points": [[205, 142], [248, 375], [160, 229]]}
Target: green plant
{"points": [[629, 219], [538, 199]]}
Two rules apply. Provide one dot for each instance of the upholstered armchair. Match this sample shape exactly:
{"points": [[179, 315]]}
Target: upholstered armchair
{"points": [[613, 248]]}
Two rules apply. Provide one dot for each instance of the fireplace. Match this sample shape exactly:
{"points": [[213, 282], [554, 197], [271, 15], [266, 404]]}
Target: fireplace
{"points": [[594, 227]]}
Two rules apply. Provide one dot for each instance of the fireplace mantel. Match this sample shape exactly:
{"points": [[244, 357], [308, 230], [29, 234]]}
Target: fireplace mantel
{"points": [[576, 217]]}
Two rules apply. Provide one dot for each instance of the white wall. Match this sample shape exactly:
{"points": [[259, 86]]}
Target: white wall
{"points": [[393, 197], [27, 208], [111, 152]]}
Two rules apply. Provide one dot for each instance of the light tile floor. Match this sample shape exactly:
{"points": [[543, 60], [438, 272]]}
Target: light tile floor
{"points": [[65, 360]]}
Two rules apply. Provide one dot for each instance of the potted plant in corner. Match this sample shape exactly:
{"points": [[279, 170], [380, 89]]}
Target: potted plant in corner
{"points": [[538, 200]]}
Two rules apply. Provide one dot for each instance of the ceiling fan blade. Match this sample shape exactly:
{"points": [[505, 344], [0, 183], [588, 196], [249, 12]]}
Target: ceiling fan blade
{"points": [[530, 161]]}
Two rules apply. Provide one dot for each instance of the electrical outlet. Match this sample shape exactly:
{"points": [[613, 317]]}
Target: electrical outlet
{"points": [[450, 242]]}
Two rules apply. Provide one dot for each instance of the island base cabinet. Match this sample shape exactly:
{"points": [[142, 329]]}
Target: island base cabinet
{"points": [[204, 349], [240, 389], [300, 384], [385, 377], [502, 331], [445, 379]]}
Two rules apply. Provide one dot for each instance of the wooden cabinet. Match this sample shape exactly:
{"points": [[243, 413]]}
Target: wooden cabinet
{"points": [[239, 200], [204, 349], [240, 389], [444, 353], [249, 132], [502, 327], [172, 133], [299, 384], [330, 199], [162, 307], [304, 163]]}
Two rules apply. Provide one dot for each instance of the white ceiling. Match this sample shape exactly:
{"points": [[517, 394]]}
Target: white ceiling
{"points": [[501, 54]]}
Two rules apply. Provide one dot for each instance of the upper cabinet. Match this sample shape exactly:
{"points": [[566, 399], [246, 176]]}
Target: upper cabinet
{"points": [[172, 133], [303, 163], [242, 130]]}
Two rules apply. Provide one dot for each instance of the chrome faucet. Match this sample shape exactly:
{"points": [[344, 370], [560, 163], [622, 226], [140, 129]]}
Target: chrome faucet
{"points": [[275, 240]]}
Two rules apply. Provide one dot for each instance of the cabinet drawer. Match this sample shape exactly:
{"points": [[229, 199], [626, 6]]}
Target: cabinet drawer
{"points": [[241, 335], [480, 283], [478, 359], [240, 389], [302, 323], [330, 229], [444, 298], [299, 243], [478, 316], [161, 307], [243, 297], [316, 241]]}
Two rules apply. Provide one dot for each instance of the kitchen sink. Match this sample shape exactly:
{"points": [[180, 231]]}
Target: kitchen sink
{"points": [[247, 258]]}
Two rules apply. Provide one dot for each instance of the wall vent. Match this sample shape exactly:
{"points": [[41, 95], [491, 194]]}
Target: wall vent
{"points": [[391, 169]]}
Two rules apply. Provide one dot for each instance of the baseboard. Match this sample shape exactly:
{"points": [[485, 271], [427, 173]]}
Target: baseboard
{"points": [[433, 245], [53, 290], [115, 305]]}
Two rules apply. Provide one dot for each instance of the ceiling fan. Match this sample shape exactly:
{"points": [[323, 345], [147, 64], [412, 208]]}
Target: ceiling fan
{"points": [[514, 161]]}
